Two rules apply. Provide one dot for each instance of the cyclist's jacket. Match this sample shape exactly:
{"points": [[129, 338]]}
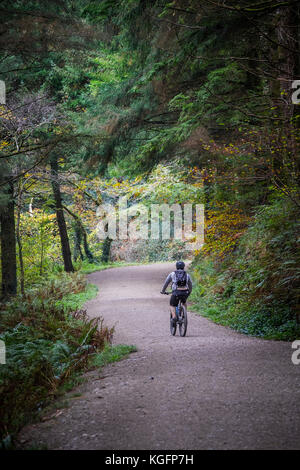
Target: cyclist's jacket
{"points": [[172, 278]]}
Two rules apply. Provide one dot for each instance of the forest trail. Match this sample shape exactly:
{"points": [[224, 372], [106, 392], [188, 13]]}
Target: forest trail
{"points": [[213, 389]]}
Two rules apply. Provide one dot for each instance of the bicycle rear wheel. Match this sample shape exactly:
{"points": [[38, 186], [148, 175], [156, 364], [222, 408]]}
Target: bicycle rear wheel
{"points": [[173, 326], [183, 320]]}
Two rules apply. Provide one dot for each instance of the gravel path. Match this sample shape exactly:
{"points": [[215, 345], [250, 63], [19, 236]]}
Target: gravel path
{"points": [[213, 389]]}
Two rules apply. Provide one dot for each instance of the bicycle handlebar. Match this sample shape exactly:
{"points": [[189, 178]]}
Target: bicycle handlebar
{"points": [[170, 293]]}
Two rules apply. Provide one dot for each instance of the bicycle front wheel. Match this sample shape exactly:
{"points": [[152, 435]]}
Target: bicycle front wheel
{"points": [[183, 321], [173, 326]]}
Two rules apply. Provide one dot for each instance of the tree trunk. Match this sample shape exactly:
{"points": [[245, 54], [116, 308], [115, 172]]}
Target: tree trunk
{"points": [[106, 250], [87, 250], [287, 38], [65, 245], [8, 245], [19, 241], [79, 233], [77, 241]]}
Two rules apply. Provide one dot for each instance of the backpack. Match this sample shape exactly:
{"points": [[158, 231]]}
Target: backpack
{"points": [[180, 278]]}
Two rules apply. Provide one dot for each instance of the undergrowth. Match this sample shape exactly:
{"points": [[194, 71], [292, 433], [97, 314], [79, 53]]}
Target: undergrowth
{"points": [[48, 338], [256, 289]]}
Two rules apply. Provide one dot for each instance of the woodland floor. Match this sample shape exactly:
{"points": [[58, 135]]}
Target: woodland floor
{"points": [[213, 389]]}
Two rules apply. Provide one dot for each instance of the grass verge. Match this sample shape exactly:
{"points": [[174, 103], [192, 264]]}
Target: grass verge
{"points": [[112, 353]]}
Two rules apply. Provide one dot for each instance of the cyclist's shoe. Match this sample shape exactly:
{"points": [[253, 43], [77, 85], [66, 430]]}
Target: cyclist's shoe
{"points": [[173, 320]]}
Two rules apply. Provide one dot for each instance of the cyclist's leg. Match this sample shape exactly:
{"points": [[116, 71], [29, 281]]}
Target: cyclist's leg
{"points": [[183, 299], [173, 304], [173, 312]]}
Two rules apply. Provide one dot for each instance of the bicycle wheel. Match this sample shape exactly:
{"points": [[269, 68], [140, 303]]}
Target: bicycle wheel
{"points": [[183, 320], [173, 326]]}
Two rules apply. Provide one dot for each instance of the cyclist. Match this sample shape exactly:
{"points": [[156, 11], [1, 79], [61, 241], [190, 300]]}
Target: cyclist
{"points": [[181, 287]]}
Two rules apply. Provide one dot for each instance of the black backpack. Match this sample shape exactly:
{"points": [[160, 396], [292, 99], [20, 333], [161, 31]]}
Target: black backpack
{"points": [[180, 278]]}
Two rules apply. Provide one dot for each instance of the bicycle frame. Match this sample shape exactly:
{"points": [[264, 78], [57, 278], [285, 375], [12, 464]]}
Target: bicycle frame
{"points": [[180, 320]]}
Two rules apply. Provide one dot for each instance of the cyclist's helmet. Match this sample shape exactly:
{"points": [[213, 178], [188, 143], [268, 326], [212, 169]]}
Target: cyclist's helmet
{"points": [[180, 265]]}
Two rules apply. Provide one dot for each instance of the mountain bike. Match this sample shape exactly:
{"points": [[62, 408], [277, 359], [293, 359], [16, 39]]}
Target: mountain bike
{"points": [[181, 319]]}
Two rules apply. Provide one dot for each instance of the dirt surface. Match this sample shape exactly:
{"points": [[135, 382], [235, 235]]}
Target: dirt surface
{"points": [[213, 389]]}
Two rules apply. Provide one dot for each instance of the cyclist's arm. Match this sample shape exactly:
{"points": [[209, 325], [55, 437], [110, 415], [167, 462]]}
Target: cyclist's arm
{"points": [[167, 282]]}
